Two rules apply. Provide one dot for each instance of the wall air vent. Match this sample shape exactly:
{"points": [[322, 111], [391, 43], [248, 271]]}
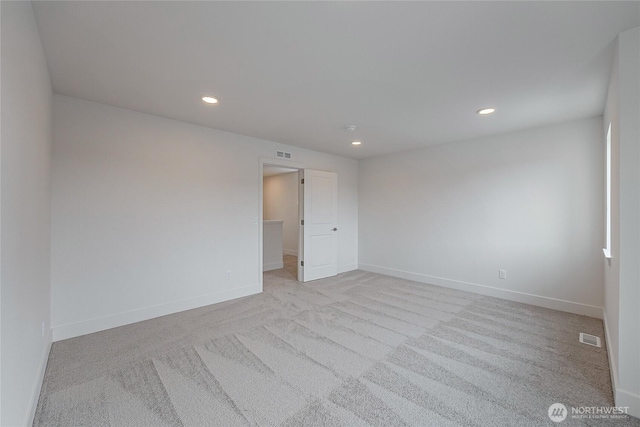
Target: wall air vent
{"points": [[589, 339], [283, 155]]}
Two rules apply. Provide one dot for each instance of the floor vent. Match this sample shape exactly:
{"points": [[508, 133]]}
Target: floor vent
{"points": [[589, 339], [283, 154]]}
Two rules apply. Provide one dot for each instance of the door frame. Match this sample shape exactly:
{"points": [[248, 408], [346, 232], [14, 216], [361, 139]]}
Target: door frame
{"points": [[269, 161]]}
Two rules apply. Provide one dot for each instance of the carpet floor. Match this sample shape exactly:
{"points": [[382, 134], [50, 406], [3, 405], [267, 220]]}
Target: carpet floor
{"points": [[358, 349]]}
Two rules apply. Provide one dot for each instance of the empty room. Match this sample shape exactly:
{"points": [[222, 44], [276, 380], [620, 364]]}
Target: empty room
{"points": [[332, 213]]}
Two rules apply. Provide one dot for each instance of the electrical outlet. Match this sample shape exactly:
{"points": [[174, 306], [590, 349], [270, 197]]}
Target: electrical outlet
{"points": [[228, 274], [502, 274]]}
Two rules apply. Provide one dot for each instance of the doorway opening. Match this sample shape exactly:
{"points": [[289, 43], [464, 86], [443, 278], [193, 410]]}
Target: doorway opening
{"points": [[314, 215], [280, 222]]}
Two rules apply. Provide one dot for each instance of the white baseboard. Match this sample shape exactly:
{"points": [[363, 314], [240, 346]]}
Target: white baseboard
{"points": [[348, 267], [629, 400], [290, 252], [537, 300], [272, 266], [37, 387], [71, 330], [612, 361], [622, 398]]}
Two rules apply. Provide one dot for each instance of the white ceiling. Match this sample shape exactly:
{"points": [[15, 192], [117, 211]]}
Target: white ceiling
{"points": [[408, 74]]}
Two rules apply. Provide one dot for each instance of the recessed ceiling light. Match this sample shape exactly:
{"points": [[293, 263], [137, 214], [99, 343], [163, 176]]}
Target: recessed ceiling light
{"points": [[210, 100], [356, 143], [485, 111]]}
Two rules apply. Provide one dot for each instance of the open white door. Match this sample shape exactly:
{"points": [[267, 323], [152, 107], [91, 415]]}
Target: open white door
{"points": [[319, 227]]}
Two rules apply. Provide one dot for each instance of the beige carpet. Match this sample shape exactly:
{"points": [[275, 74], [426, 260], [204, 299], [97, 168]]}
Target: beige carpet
{"points": [[358, 349]]}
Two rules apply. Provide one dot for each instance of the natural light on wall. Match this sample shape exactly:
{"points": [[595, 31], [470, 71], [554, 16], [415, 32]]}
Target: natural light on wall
{"points": [[607, 248]]}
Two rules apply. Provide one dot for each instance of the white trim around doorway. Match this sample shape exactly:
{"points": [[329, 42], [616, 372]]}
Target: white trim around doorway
{"points": [[271, 162]]}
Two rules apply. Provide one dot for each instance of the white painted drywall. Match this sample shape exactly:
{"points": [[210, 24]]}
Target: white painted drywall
{"points": [[272, 245], [26, 156], [280, 197], [528, 202], [612, 265], [149, 214], [629, 116], [622, 286]]}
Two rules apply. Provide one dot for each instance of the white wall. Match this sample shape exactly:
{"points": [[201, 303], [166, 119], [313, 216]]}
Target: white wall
{"points": [[26, 154], [148, 214], [280, 197], [622, 286], [612, 266], [528, 202]]}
